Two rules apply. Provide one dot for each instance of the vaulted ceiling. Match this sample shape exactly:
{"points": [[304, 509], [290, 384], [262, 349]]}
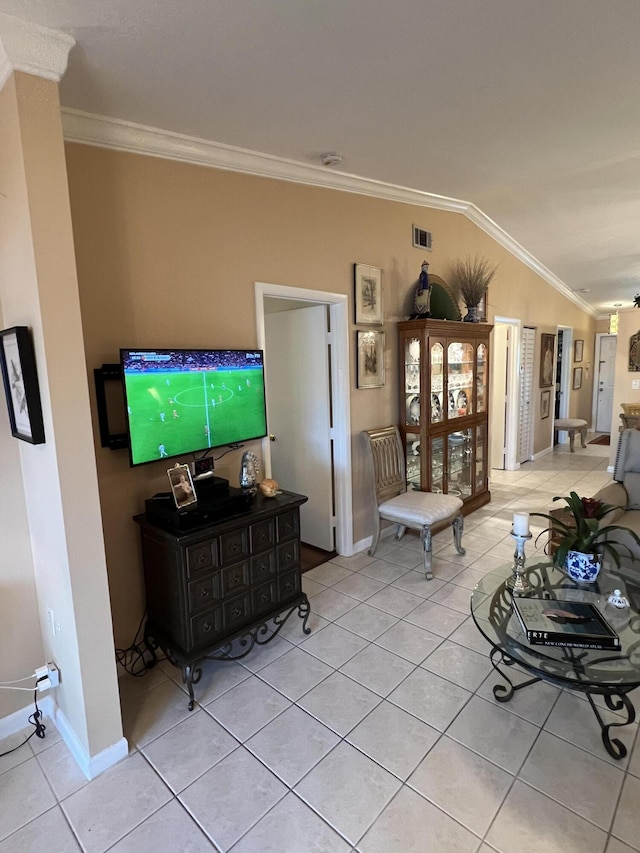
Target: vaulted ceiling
{"points": [[527, 109]]}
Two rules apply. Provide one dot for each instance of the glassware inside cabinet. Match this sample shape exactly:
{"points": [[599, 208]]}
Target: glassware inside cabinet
{"points": [[412, 381], [460, 361], [481, 378], [437, 382], [459, 470], [437, 464], [412, 455], [481, 457]]}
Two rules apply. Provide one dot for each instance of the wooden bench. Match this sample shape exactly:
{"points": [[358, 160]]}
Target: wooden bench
{"points": [[572, 426]]}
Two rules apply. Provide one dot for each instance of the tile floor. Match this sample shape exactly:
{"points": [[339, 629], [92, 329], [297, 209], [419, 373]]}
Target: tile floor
{"points": [[377, 733]]}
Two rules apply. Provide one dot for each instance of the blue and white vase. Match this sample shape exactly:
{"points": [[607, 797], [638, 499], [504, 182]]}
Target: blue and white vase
{"points": [[583, 568]]}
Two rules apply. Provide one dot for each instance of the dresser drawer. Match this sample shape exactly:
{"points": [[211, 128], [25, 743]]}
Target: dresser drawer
{"points": [[288, 525], [288, 585], [264, 597], [263, 566], [287, 555], [235, 578], [262, 535], [234, 546], [206, 627], [202, 593], [201, 557], [237, 612]]}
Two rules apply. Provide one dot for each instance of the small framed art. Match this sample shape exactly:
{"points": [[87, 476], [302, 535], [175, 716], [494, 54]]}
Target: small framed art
{"points": [[368, 295], [184, 493], [578, 349], [545, 404], [18, 365], [370, 361], [577, 378], [547, 350]]}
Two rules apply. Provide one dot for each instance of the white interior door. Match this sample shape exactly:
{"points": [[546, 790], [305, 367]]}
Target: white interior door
{"points": [[299, 417], [606, 381], [525, 433], [498, 431]]}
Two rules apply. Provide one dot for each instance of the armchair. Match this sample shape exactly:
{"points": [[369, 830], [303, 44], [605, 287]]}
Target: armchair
{"points": [[624, 492]]}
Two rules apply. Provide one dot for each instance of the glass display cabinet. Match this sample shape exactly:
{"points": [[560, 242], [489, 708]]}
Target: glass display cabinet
{"points": [[444, 407]]}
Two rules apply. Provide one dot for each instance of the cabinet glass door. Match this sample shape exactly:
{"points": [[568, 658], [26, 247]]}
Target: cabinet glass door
{"points": [[481, 457], [412, 381], [437, 464], [459, 463], [412, 455], [437, 382], [481, 378], [460, 363]]}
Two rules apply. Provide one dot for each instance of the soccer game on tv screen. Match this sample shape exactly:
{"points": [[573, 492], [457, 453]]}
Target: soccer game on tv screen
{"points": [[185, 401]]}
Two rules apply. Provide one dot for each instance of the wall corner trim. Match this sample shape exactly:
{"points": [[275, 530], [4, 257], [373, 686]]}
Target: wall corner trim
{"points": [[91, 765]]}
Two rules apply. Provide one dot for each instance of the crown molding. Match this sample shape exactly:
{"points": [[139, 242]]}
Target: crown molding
{"points": [[90, 129], [31, 48]]}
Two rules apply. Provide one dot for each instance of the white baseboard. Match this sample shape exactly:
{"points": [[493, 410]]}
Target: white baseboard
{"points": [[91, 765], [542, 453]]}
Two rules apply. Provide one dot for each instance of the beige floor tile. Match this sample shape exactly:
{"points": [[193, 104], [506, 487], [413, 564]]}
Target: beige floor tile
{"points": [[408, 641], [339, 703], [368, 622], [231, 797], [412, 825], [336, 788], [456, 663], [334, 645], [436, 618], [529, 822], [157, 710], [377, 669], [295, 673], [170, 828], [24, 795], [290, 827], [331, 604], [430, 698], [189, 749], [463, 784], [62, 770], [259, 704], [116, 802], [50, 831], [625, 825]]}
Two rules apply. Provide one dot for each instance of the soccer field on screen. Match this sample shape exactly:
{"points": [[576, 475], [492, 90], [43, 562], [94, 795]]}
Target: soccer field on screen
{"points": [[190, 411]]}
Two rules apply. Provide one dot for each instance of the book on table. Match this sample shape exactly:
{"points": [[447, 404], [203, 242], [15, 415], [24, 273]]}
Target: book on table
{"points": [[564, 623]]}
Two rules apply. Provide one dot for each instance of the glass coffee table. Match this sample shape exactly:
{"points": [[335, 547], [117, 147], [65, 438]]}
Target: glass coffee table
{"points": [[611, 674]]}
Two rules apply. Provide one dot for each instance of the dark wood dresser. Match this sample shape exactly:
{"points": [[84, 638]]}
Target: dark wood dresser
{"points": [[232, 579]]}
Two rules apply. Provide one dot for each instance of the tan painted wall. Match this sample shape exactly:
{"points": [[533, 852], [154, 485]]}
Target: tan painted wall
{"points": [[38, 288], [168, 253], [628, 325]]}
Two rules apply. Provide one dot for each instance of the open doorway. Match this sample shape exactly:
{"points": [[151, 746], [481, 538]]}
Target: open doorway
{"points": [[309, 403], [564, 346]]}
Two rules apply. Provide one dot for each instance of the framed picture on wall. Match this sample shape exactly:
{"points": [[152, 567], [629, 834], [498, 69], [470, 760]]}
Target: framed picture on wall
{"points": [[368, 295], [18, 365], [547, 358], [370, 360], [578, 348], [545, 404], [577, 378]]}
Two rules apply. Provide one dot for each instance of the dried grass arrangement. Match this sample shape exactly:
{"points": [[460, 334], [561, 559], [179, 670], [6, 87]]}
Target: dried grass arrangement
{"points": [[471, 278]]}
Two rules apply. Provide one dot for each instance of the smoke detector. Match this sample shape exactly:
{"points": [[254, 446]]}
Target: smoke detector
{"points": [[331, 158]]}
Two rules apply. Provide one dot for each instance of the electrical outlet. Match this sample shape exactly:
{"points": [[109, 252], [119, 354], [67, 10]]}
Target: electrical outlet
{"points": [[47, 676], [51, 620], [54, 674]]}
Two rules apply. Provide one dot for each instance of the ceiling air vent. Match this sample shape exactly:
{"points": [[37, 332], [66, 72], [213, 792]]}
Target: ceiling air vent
{"points": [[421, 238]]}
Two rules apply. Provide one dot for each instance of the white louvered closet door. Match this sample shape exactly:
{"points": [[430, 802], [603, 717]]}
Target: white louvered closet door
{"points": [[525, 437]]}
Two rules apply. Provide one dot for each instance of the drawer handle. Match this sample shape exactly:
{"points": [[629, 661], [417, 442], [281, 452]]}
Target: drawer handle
{"points": [[203, 558], [264, 597], [236, 579], [287, 528], [236, 612], [288, 556], [288, 586], [206, 627], [235, 549], [204, 593]]}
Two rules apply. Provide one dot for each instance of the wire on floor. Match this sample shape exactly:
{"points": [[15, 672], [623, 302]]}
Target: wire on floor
{"points": [[137, 659], [36, 720]]}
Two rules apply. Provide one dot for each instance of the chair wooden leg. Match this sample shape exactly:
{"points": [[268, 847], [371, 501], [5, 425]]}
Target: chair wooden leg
{"points": [[375, 539], [583, 436], [458, 528], [426, 551]]}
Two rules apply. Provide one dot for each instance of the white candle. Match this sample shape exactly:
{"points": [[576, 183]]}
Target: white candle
{"points": [[521, 523]]}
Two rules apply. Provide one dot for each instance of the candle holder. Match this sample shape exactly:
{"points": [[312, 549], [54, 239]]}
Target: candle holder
{"points": [[518, 582]]}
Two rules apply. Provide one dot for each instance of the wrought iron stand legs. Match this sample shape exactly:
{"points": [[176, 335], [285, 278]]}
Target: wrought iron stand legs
{"points": [[614, 701], [258, 634]]}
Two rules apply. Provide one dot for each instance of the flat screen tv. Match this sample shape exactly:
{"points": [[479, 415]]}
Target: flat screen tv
{"points": [[186, 401]]}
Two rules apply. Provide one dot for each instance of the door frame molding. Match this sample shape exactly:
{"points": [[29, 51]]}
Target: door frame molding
{"points": [[340, 395], [596, 378], [513, 393]]}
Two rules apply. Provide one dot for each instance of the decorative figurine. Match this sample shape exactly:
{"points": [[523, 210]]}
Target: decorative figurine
{"points": [[422, 298]]}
